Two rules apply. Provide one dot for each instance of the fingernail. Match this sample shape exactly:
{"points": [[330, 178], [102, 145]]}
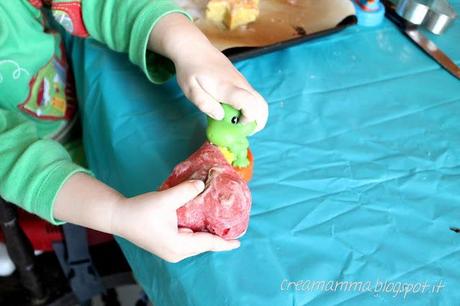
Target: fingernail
{"points": [[217, 117], [185, 230], [199, 185], [236, 244], [218, 114]]}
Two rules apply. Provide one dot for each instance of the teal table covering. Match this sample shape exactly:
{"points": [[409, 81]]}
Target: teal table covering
{"points": [[356, 182]]}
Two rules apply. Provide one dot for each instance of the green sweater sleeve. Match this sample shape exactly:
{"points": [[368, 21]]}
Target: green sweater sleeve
{"points": [[32, 170], [124, 26]]}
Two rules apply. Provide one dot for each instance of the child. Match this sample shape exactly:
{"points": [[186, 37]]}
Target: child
{"points": [[38, 114]]}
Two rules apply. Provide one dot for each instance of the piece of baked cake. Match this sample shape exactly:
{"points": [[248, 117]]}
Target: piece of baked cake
{"points": [[232, 13]]}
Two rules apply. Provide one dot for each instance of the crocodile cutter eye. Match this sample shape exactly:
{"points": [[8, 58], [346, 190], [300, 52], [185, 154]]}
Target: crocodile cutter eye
{"points": [[235, 120]]}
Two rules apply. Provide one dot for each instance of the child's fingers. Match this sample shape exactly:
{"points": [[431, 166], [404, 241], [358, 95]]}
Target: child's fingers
{"points": [[253, 107], [206, 103], [187, 243], [177, 196], [260, 109], [196, 243], [228, 93], [241, 99], [244, 98], [185, 230]]}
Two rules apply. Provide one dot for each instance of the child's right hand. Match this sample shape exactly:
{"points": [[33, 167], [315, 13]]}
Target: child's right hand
{"points": [[205, 75], [150, 222]]}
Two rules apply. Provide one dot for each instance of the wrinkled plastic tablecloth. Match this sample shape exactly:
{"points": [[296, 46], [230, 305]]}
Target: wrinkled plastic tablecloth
{"points": [[356, 182]]}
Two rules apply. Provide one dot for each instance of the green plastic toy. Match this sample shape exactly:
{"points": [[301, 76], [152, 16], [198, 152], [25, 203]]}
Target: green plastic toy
{"points": [[231, 136]]}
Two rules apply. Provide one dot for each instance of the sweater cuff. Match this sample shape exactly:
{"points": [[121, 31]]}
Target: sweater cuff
{"points": [[157, 68], [46, 195]]}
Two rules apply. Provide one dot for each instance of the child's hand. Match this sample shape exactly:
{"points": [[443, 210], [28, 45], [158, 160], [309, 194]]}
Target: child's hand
{"points": [[205, 75], [150, 221]]}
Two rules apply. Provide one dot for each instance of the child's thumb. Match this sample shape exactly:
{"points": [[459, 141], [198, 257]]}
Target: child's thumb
{"points": [[179, 195]]}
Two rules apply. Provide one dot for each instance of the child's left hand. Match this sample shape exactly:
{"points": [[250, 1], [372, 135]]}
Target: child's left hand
{"points": [[206, 76]]}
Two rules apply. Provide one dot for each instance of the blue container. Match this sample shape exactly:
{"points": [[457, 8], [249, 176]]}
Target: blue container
{"points": [[369, 13]]}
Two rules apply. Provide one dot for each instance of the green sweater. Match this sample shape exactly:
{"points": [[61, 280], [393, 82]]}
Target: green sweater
{"points": [[37, 104]]}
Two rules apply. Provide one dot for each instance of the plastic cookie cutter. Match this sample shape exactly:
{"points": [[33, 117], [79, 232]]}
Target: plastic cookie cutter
{"points": [[434, 15], [370, 13], [230, 135]]}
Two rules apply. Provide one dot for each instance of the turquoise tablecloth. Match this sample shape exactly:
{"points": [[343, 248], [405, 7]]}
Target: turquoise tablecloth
{"points": [[357, 175]]}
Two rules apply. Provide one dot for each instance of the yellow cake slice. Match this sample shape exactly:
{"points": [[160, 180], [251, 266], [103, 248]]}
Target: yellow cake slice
{"points": [[233, 13]]}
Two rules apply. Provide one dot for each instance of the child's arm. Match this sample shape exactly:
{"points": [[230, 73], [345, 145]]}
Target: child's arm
{"points": [[148, 220], [205, 75], [32, 170]]}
